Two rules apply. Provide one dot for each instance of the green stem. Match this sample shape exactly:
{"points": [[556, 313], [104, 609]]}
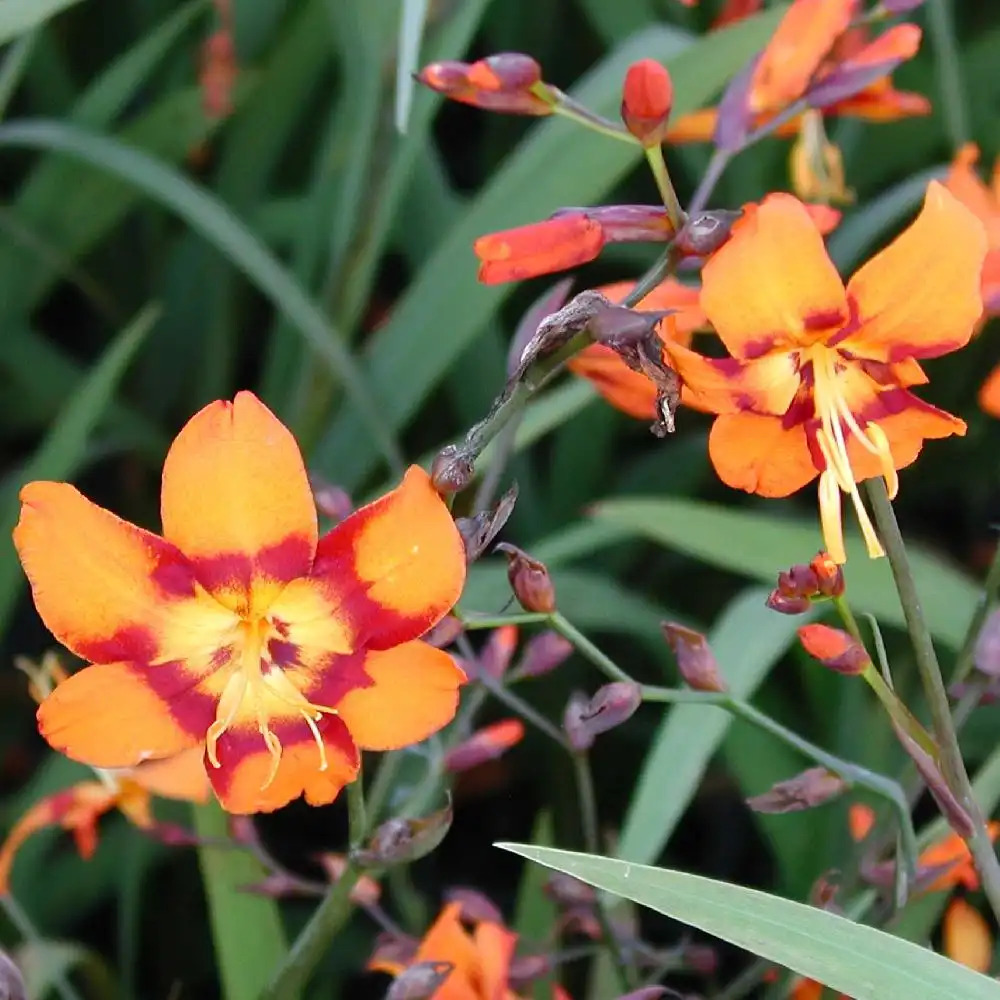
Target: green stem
{"points": [[950, 753], [601, 660], [474, 622], [855, 774], [592, 845], [657, 163], [942, 31], [327, 919], [575, 112]]}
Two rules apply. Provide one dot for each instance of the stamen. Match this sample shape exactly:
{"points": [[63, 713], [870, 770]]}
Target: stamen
{"points": [[881, 444], [225, 713], [314, 729], [273, 745], [829, 516]]}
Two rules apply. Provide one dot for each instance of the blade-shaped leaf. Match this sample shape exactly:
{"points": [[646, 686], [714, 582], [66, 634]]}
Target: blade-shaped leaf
{"points": [[862, 962], [18, 16]]}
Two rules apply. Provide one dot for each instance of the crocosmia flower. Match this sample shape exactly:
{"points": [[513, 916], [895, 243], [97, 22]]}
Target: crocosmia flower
{"points": [[240, 631], [818, 382]]}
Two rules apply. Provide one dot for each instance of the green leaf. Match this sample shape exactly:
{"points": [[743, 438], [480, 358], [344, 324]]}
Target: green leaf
{"points": [[65, 446], [46, 965], [212, 220], [246, 927], [690, 734], [411, 29], [862, 962], [19, 16], [557, 164], [760, 545]]}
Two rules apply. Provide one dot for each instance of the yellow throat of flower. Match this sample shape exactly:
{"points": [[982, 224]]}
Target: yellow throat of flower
{"points": [[255, 691], [838, 477]]}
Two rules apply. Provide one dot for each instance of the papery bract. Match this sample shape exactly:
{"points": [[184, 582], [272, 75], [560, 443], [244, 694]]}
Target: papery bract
{"points": [[241, 631]]}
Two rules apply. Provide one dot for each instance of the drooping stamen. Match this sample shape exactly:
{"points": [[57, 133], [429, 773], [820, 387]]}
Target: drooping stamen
{"points": [[889, 473], [829, 516], [225, 714]]}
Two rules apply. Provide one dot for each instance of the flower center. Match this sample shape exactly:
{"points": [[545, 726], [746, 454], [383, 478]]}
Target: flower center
{"points": [[837, 425], [257, 690]]}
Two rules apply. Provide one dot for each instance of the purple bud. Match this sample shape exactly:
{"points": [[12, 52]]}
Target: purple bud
{"points": [[444, 633], [420, 981], [612, 705], [804, 791], [400, 840], [900, 6], [987, 651], [544, 653], [777, 601], [452, 470], [695, 659], [332, 501], [477, 908], [566, 891], [11, 982], [706, 232], [529, 579], [525, 969]]}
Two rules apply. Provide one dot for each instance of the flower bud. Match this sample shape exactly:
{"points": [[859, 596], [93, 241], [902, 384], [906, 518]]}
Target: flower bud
{"points": [[452, 470], [399, 840], [804, 791], [986, 655], [701, 958], [543, 654], [486, 744], [568, 892], [525, 969], [777, 601], [835, 649], [420, 981], [496, 654], [612, 705], [11, 982], [508, 81], [444, 633], [705, 232], [647, 99], [332, 501], [479, 531], [829, 575], [476, 907], [695, 659], [366, 890], [529, 579]]}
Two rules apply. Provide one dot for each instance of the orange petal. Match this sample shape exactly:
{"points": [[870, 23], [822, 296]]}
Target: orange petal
{"points": [[989, 394], [696, 126], [447, 941], [538, 248], [755, 453], [881, 102], [805, 35], [414, 693], [772, 284], [920, 296], [626, 390], [77, 806], [180, 777], [108, 716], [725, 385], [966, 937], [244, 782], [101, 585], [495, 946], [860, 820], [806, 989], [236, 501], [396, 566], [965, 184]]}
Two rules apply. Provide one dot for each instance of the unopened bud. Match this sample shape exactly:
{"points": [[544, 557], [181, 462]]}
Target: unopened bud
{"points": [[829, 575], [777, 601], [529, 579], [486, 744], [476, 907], [508, 81], [543, 654], [647, 99], [497, 652], [835, 649], [332, 501], [695, 659], [566, 891], [525, 969], [420, 981], [444, 633], [804, 791], [612, 705], [479, 531], [986, 655], [701, 958], [400, 841], [452, 470], [11, 982], [392, 949], [366, 890], [706, 232]]}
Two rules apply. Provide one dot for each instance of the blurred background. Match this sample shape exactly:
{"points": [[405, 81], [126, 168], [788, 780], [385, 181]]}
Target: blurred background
{"points": [[198, 199]]}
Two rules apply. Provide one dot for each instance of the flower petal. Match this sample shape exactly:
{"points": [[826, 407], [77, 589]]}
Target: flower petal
{"points": [[696, 126], [726, 385], [495, 946], [414, 693], [773, 283], [447, 941], [881, 102], [756, 453], [966, 936], [920, 296], [396, 566], [108, 716], [179, 777], [965, 184], [989, 394], [796, 49], [236, 501], [538, 248], [100, 584], [241, 781]]}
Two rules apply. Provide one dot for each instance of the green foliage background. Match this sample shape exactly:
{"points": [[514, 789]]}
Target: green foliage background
{"points": [[153, 259]]}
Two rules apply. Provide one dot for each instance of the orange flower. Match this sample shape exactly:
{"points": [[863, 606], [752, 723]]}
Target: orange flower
{"points": [[983, 199], [240, 631], [480, 960], [966, 937], [78, 808], [628, 390], [818, 381]]}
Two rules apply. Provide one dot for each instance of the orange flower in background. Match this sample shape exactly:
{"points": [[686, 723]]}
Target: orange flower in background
{"points": [[984, 199], [77, 809], [625, 389], [818, 382], [240, 631], [966, 937]]}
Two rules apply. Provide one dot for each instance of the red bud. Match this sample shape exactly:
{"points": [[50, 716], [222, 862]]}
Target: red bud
{"points": [[509, 81], [834, 648], [486, 744], [695, 659], [529, 579], [777, 601], [647, 99], [452, 470], [496, 654]]}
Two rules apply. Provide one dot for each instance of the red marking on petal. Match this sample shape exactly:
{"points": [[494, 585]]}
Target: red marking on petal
{"points": [[177, 686], [175, 577], [134, 642], [237, 571], [823, 319], [329, 678], [282, 653]]}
